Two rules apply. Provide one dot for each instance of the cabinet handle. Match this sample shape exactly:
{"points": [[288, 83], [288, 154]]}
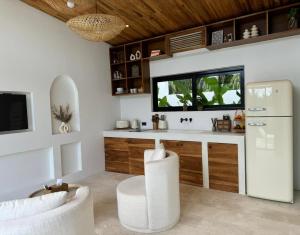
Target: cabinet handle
{"points": [[257, 124], [257, 109]]}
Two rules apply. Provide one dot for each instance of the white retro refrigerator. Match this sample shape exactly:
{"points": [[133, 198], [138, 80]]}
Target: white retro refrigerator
{"points": [[269, 140]]}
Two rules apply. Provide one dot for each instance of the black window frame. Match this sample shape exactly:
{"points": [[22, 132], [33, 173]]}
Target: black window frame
{"points": [[194, 76]]}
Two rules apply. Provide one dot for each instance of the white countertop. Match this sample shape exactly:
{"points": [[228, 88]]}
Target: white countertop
{"points": [[192, 135]]}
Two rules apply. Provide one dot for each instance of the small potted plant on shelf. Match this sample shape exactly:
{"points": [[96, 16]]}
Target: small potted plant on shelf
{"points": [[64, 116], [293, 18]]}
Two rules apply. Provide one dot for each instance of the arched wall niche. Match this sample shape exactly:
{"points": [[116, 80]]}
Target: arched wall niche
{"points": [[64, 92]]}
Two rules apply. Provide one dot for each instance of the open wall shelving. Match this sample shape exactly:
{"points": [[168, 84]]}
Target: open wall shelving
{"points": [[271, 24], [130, 65]]}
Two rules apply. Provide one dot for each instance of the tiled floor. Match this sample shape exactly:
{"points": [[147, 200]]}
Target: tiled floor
{"points": [[203, 211]]}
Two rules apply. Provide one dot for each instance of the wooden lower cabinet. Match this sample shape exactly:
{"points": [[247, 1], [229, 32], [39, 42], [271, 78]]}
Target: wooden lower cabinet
{"points": [[126, 155], [136, 154], [116, 155], [223, 167], [190, 155]]}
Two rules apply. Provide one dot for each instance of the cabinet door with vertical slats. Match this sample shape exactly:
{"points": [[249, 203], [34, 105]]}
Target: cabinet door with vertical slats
{"points": [[223, 166], [136, 154], [116, 155], [190, 156]]}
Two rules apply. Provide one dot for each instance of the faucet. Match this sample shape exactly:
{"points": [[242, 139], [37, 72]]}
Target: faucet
{"points": [[185, 120]]}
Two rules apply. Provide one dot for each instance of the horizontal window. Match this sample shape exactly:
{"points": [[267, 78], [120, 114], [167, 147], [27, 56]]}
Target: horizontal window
{"points": [[219, 89]]}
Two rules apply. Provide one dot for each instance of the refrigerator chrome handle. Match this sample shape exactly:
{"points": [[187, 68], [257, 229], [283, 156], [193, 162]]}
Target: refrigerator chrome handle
{"points": [[257, 124], [251, 124], [257, 109]]}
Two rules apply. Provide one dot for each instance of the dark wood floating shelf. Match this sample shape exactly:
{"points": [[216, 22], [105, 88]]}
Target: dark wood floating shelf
{"points": [[271, 24], [115, 64], [255, 39], [132, 61], [119, 79], [158, 57], [137, 77]]}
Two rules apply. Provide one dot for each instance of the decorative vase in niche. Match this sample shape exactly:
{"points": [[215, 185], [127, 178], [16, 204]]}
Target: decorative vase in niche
{"points": [[64, 128], [138, 55]]}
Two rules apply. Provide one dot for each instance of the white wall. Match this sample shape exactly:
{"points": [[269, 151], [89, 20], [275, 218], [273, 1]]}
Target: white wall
{"points": [[35, 49], [273, 60]]}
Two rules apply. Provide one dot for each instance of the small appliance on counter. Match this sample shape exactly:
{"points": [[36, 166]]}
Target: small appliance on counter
{"points": [[162, 123], [135, 124], [159, 122], [122, 124]]}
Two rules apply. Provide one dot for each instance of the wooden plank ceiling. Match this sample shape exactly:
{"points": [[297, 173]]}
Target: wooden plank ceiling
{"points": [[148, 18]]}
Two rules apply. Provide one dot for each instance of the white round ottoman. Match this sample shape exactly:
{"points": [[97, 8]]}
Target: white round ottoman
{"points": [[132, 203]]}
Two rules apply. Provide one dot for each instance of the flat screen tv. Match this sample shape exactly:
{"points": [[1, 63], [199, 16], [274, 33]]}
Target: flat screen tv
{"points": [[13, 112]]}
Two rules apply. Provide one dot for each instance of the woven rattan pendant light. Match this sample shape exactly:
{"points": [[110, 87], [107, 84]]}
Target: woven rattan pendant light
{"points": [[97, 27]]}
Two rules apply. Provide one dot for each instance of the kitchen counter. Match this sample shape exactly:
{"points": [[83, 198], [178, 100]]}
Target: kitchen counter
{"points": [[202, 136], [189, 135]]}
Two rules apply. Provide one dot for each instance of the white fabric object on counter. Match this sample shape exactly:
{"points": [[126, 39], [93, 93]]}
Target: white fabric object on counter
{"points": [[31, 206], [75, 217], [151, 203]]}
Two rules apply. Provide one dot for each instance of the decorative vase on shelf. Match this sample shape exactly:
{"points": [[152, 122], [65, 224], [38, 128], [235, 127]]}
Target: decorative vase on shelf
{"points": [[132, 57], [64, 128], [138, 55], [254, 31], [246, 34]]}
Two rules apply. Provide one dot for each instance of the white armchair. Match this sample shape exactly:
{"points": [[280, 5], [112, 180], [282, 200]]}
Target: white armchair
{"points": [[75, 217], [151, 203]]}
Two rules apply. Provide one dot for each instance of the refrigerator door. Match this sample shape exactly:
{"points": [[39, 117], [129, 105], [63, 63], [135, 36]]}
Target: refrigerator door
{"points": [[269, 159], [272, 98]]}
